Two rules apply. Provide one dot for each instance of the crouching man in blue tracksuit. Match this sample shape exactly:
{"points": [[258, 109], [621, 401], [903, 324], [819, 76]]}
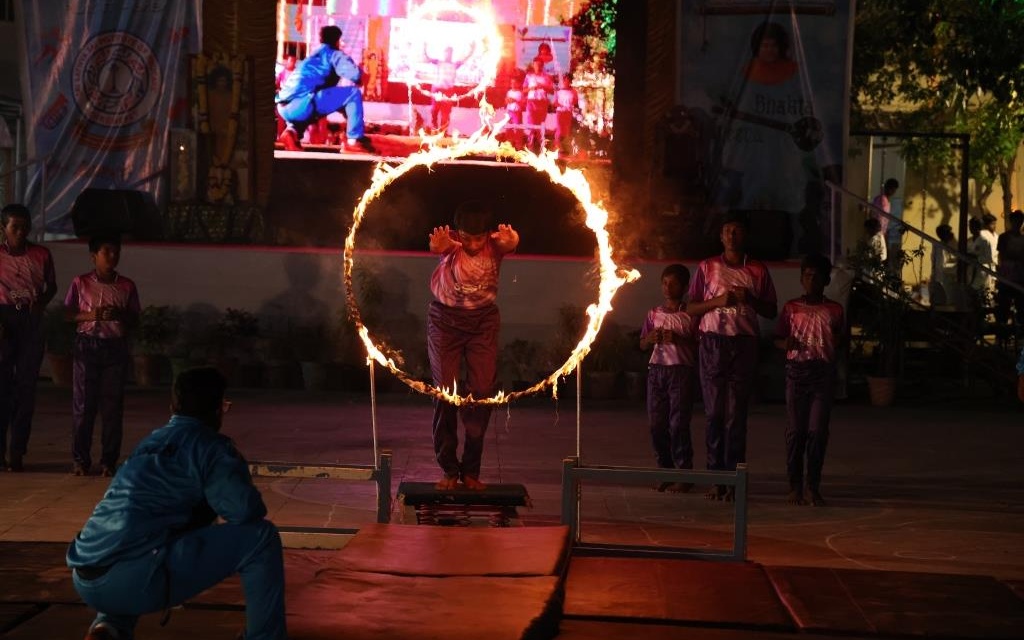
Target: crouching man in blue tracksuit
{"points": [[151, 543]]}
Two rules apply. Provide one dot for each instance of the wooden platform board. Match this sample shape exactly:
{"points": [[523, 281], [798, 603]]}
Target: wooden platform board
{"points": [[455, 551], [72, 621], [35, 572], [410, 581], [14, 614], [370, 606], [695, 591], [597, 630], [896, 603]]}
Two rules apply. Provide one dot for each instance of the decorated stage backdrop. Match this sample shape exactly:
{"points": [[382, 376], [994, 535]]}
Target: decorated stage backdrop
{"points": [[104, 84], [764, 86]]}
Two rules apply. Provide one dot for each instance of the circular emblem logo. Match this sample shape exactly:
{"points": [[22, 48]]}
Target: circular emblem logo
{"points": [[116, 80]]}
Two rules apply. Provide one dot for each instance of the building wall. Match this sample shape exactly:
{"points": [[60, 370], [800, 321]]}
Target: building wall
{"points": [[307, 284], [9, 71]]}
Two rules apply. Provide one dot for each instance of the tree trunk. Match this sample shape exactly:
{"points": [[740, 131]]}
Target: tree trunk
{"points": [[1006, 182]]}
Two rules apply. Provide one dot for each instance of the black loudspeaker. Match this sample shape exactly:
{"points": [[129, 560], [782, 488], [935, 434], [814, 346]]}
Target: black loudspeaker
{"points": [[130, 213], [769, 234]]}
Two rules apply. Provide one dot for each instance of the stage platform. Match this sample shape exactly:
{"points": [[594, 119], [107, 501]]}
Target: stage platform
{"points": [[419, 582]]}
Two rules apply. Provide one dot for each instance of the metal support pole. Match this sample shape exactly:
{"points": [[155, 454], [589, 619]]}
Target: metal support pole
{"points": [[42, 197], [962, 231], [373, 410], [383, 474], [571, 499], [579, 401], [740, 534]]}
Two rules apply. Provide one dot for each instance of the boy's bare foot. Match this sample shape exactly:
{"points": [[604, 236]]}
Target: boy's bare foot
{"points": [[447, 483], [815, 497], [794, 497], [661, 486], [715, 492], [473, 483], [680, 487]]}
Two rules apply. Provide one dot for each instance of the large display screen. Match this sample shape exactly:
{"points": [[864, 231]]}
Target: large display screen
{"points": [[428, 65]]}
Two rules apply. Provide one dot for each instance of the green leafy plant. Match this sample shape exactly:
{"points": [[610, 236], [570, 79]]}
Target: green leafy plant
{"points": [[888, 301], [310, 342], [609, 351], [522, 356], [158, 328], [235, 333]]}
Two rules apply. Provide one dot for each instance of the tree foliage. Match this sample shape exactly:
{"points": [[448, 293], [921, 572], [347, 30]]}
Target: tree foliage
{"points": [[944, 65], [593, 30]]}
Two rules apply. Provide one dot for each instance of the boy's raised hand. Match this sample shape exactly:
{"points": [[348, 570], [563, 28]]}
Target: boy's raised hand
{"points": [[506, 237], [441, 240]]}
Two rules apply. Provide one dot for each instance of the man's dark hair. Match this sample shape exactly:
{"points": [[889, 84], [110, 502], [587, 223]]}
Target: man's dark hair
{"points": [[198, 392], [821, 264], [15, 211], [891, 183], [473, 217], [872, 225], [97, 241], [975, 224], [988, 218], [679, 271], [771, 31], [736, 217], [1016, 217], [330, 35]]}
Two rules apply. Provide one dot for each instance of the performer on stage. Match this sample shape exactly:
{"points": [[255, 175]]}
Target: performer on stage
{"points": [[312, 92], [463, 322]]}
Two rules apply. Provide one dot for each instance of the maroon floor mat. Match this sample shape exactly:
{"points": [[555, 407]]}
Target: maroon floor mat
{"points": [[892, 603], [455, 551], [675, 590]]}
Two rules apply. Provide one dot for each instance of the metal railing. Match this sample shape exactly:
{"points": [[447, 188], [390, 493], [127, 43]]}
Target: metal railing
{"points": [[329, 537], [573, 473], [903, 225]]}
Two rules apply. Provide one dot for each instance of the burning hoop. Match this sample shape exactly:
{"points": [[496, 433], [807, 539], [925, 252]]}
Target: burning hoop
{"points": [[483, 142]]}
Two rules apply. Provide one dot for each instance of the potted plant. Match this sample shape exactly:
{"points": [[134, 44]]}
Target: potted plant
{"points": [[884, 301], [310, 344], [233, 341], [636, 360], [569, 329], [156, 331], [520, 358], [60, 341], [604, 365]]}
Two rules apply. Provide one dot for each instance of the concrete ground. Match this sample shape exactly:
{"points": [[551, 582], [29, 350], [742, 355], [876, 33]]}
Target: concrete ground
{"points": [[935, 489]]}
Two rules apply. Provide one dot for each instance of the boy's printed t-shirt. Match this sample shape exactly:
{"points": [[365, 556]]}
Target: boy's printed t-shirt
{"points": [[467, 282], [816, 326], [88, 293], [714, 278], [23, 277], [680, 323]]}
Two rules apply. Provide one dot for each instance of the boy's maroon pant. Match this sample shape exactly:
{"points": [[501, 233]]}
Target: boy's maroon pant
{"points": [[810, 387], [21, 353], [454, 334], [727, 368], [101, 366]]}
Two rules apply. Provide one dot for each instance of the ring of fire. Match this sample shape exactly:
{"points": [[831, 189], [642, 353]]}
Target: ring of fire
{"points": [[481, 143]]}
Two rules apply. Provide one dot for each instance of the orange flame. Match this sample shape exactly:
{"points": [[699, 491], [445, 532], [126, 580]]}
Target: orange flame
{"points": [[490, 38]]}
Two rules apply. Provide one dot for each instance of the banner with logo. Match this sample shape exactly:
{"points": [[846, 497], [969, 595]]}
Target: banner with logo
{"points": [[103, 84], [763, 84]]}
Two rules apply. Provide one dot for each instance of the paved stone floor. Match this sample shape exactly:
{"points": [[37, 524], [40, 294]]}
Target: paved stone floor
{"points": [[935, 489]]}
